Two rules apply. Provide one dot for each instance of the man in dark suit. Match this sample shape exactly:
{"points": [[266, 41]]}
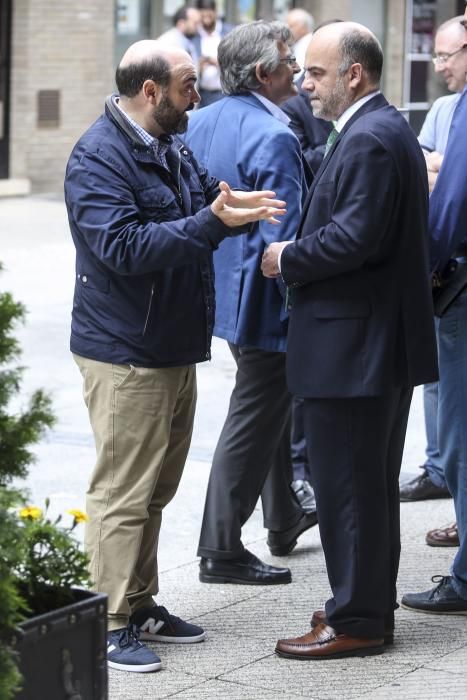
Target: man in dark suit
{"points": [[361, 335], [245, 136]]}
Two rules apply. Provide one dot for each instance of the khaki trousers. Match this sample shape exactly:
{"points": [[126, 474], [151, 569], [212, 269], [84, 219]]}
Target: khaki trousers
{"points": [[142, 420]]}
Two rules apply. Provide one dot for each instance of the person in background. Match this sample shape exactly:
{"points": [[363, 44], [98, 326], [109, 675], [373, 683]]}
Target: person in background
{"points": [[301, 24], [359, 339], [145, 219], [211, 32], [450, 60], [184, 32], [245, 136], [448, 206]]}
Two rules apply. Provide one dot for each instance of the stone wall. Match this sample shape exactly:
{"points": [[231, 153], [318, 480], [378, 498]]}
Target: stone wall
{"points": [[57, 46]]}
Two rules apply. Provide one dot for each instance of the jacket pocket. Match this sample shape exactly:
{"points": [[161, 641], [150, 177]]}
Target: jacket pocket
{"points": [[93, 280], [342, 308], [158, 203]]}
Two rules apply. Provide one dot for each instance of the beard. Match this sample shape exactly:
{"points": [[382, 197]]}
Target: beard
{"points": [[334, 104], [170, 119]]}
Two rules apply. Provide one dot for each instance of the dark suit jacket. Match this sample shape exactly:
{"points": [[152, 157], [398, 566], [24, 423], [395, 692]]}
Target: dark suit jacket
{"points": [[310, 131], [362, 317]]}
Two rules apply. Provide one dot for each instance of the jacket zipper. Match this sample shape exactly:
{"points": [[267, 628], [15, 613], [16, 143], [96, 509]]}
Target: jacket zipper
{"points": [[149, 309]]}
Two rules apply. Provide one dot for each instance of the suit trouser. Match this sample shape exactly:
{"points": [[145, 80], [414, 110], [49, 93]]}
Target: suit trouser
{"points": [[355, 449], [252, 456], [142, 421]]}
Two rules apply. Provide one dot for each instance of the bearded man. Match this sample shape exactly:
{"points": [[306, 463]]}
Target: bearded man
{"points": [[145, 219]]}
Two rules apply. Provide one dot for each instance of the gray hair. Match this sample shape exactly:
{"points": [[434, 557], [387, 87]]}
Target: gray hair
{"points": [[244, 48], [361, 47]]}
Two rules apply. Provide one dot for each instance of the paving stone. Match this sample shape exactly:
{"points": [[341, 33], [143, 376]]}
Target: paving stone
{"points": [[321, 680], [423, 683], [455, 662], [226, 690], [219, 653], [148, 686]]}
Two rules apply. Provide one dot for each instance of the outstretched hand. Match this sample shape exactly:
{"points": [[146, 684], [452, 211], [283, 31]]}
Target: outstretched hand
{"points": [[236, 208]]}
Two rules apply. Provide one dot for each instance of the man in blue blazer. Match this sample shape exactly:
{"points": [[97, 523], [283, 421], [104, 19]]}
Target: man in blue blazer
{"points": [[245, 139], [361, 335]]}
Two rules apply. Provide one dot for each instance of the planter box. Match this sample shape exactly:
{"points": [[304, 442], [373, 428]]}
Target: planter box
{"points": [[63, 653]]}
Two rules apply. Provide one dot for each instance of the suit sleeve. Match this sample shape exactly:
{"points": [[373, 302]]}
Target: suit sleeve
{"points": [[361, 199], [448, 201], [278, 167]]}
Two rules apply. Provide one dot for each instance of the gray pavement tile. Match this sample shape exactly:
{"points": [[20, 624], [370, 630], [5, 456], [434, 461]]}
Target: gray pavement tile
{"points": [[455, 662], [321, 680], [422, 684], [147, 686], [218, 654], [227, 690], [183, 594]]}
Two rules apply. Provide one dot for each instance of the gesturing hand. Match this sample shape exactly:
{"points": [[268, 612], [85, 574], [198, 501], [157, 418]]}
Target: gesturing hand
{"points": [[236, 208]]}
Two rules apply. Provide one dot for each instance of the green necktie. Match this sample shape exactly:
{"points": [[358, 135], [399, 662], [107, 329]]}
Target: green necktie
{"points": [[329, 143]]}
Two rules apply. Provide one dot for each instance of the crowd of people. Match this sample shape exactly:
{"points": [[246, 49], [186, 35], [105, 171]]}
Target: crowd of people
{"points": [[289, 214]]}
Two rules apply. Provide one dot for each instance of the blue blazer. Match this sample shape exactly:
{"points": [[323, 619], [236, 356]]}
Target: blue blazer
{"points": [[238, 140], [362, 315]]}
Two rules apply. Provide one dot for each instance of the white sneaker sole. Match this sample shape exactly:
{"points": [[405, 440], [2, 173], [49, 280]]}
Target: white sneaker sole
{"points": [[148, 637], [141, 668]]}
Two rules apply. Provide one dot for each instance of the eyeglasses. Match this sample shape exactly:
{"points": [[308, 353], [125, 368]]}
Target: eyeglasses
{"points": [[290, 60], [442, 58]]}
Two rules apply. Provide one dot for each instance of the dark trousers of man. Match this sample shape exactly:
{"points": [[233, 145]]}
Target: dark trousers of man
{"points": [[298, 451], [252, 457], [355, 450]]}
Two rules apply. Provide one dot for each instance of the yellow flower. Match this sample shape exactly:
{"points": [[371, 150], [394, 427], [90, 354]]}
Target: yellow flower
{"points": [[31, 512], [78, 515]]}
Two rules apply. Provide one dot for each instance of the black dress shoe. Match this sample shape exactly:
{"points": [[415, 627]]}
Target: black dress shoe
{"points": [[282, 542], [421, 488], [304, 494], [246, 569]]}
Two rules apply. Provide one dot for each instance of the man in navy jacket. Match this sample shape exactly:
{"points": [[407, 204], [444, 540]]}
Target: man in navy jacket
{"points": [[145, 219], [448, 206], [245, 139], [361, 334]]}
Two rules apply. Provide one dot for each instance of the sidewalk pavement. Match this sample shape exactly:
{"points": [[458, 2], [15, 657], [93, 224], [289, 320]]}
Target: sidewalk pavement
{"points": [[237, 660]]}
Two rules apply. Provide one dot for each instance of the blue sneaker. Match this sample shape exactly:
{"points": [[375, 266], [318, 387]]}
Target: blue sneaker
{"points": [[126, 653], [156, 624]]}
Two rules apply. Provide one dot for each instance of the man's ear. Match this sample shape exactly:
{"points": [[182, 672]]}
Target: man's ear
{"points": [[151, 91], [261, 75], [355, 74]]}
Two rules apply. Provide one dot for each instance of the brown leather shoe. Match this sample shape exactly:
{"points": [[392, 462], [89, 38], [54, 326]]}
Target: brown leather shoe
{"points": [[323, 642], [443, 536], [319, 618]]}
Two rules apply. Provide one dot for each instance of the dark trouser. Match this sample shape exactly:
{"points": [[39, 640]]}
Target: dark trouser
{"points": [[298, 451], [252, 456], [355, 450]]}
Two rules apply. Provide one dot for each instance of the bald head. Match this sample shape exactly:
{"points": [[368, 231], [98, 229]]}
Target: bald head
{"points": [[453, 27], [148, 60], [353, 43], [343, 64]]}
